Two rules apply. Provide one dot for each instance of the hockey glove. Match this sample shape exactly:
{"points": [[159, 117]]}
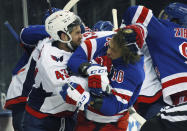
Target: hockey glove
{"points": [[135, 33], [97, 79], [104, 61], [74, 94]]}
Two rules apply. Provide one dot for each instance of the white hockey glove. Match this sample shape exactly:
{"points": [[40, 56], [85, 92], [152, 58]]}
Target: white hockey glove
{"points": [[97, 79], [74, 94]]}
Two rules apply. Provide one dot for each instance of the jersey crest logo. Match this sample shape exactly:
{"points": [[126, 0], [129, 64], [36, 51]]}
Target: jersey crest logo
{"points": [[56, 58], [183, 49]]}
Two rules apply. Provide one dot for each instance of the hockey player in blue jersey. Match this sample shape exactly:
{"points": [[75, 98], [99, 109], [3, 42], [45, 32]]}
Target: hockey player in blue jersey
{"points": [[166, 42], [109, 111]]}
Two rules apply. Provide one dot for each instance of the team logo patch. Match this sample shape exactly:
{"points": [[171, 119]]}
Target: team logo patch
{"points": [[56, 58], [128, 31]]}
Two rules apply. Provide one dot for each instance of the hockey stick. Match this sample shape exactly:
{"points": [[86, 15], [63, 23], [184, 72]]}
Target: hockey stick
{"points": [[50, 7], [83, 98], [74, 115], [136, 116], [115, 19], [70, 4], [12, 31]]}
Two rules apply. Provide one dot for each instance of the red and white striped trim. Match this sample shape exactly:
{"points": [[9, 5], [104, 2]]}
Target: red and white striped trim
{"points": [[122, 95], [142, 15], [149, 99], [173, 84], [89, 47]]}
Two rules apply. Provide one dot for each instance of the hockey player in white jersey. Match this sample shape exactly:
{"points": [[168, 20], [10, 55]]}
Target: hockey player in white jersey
{"points": [[22, 76], [45, 105], [54, 59]]}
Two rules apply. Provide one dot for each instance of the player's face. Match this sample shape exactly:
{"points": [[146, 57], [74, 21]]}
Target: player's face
{"points": [[76, 36], [113, 51]]}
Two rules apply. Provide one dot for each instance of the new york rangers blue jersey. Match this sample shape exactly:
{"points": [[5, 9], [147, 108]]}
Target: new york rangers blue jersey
{"points": [[167, 44], [32, 34], [126, 80]]}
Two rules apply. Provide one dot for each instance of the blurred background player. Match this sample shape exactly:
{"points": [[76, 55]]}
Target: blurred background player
{"points": [[16, 96], [166, 42], [103, 26], [21, 84], [175, 12]]}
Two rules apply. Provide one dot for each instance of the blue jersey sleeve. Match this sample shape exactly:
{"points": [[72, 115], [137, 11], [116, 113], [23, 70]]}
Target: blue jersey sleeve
{"points": [[78, 57], [22, 62], [128, 15], [88, 50], [32, 34]]}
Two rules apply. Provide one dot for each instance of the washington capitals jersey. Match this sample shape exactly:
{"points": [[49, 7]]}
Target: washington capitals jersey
{"points": [[51, 75], [167, 44], [126, 80], [22, 81]]}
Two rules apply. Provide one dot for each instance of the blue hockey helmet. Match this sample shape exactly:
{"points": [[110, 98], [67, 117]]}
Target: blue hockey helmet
{"points": [[175, 11], [48, 13], [103, 26]]}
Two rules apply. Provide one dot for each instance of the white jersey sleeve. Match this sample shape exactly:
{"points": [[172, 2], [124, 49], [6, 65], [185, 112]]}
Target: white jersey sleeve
{"points": [[151, 84]]}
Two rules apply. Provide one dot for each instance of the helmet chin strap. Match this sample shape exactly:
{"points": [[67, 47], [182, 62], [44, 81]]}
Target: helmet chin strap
{"points": [[70, 46]]}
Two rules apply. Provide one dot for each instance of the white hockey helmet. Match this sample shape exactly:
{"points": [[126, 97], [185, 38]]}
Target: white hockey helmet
{"points": [[59, 22]]}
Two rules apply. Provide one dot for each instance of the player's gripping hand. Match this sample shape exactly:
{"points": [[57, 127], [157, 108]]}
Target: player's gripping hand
{"points": [[74, 94], [97, 79], [135, 33], [104, 61]]}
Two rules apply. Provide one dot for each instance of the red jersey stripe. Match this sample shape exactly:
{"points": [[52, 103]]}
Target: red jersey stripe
{"points": [[89, 48], [142, 16], [126, 97], [174, 82]]}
